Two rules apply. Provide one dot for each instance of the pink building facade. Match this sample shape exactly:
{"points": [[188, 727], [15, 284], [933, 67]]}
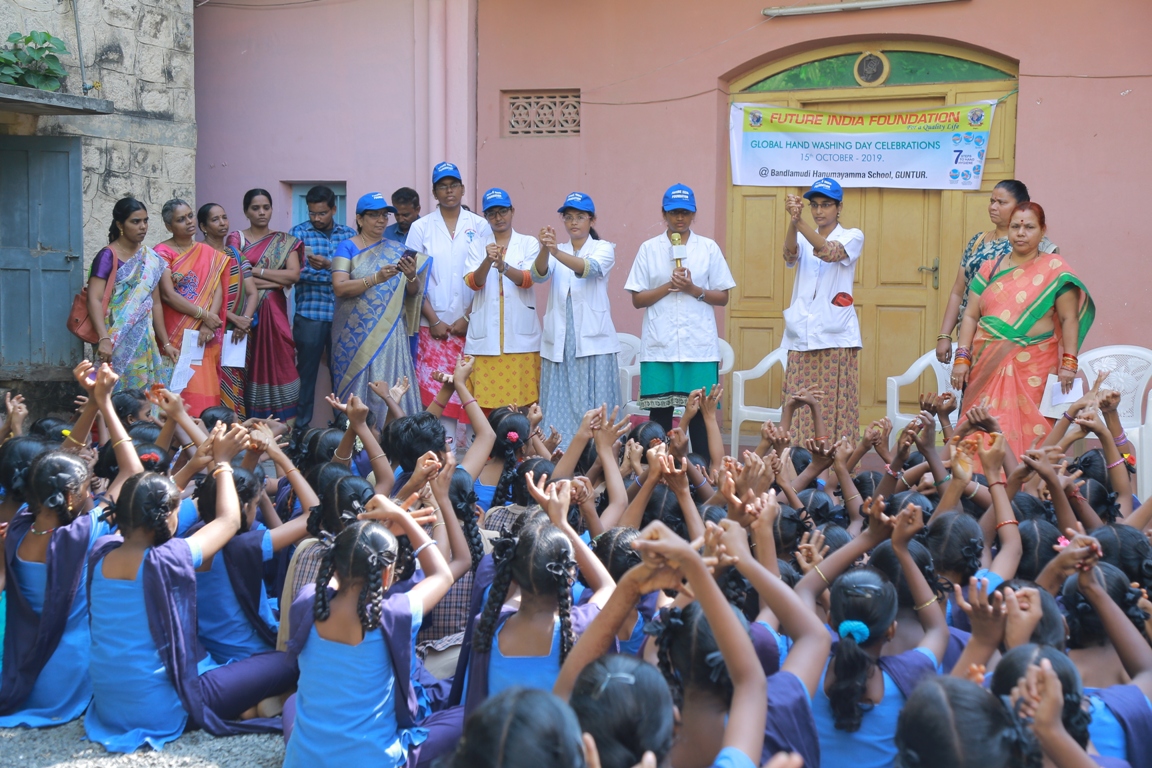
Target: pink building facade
{"points": [[372, 92]]}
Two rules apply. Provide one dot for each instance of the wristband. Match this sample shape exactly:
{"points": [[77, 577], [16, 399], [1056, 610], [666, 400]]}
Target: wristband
{"points": [[1071, 419], [942, 480], [422, 547]]}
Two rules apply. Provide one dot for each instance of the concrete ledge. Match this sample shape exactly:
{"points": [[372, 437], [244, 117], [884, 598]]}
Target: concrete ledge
{"points": [[30, 101]]}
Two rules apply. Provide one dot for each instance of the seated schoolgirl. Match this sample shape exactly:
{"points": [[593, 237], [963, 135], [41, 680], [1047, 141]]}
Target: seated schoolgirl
{"points": [[503, 517], [512, 445], [355, 704], [45, 678], [236, 617], [527, 646], [522, 728], [150, 675], [861, 693]]}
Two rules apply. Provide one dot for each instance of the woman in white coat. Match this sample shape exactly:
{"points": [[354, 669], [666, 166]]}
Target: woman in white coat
{"points": [[579, 370], [503, 328]]}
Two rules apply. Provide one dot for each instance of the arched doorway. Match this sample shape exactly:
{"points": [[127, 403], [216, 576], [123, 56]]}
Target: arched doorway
{"points": [[907, 232]]}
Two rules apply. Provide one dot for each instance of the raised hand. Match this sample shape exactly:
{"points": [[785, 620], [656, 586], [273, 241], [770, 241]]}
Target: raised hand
{"points": [[464, 366], [357, 411], [811, 551], [986, 611], [84, 373], [106, 379], [692, 407], [675, 478], [427, 467], [991, 452], [906, 525], [1023, 611], [553, 439], [226, 445], [535, 415]]}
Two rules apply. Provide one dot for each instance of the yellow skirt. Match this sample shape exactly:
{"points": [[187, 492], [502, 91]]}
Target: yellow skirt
{"points": [[507, 378]]}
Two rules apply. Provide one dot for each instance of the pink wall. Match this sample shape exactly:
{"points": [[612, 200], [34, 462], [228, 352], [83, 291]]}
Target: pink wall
{"points": [[653, 76], [322, 91]]}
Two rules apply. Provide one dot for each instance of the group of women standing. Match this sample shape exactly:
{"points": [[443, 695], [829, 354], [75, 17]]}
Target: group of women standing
{"points": [[231, 283]]}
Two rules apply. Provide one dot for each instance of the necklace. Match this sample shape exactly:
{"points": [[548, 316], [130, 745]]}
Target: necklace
{"points": [[32, 530]]}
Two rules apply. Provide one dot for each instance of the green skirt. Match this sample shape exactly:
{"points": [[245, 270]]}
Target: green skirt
{"points": [[667, 385]]}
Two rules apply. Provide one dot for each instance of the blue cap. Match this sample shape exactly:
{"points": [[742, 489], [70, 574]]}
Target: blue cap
{"points": [[578, 201], [679, 198], [495, 198], [373, 201], [446, 171], [830, 188]]}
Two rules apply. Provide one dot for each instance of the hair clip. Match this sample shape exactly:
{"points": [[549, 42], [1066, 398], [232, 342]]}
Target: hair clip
{"points": [[54, 501], [716, 666], [513, 436], [857, 630], [623, 677], [327, 539], [503, 550]]}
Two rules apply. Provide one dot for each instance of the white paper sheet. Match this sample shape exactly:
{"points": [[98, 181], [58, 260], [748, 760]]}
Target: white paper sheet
{"points": [[182, 374], [1053, 402], [234, 354], [191, 347]]}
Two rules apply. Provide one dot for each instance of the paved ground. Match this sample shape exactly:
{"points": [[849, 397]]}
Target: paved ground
{"points": [[66, 746]]}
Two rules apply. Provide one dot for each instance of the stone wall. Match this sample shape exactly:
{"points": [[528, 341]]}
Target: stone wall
{"points": [[141, 53]]}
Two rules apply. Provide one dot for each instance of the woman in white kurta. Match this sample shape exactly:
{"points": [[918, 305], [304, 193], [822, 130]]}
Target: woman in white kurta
{"points": [[503, 329], [821, 330], [678, 287], [579, 370]]}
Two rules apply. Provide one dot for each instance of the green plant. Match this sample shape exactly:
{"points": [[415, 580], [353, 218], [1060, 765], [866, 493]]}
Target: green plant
{"points": [[33, 60]]}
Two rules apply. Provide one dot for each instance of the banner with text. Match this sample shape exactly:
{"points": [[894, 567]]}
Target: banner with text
{"points": [[941, 148]]}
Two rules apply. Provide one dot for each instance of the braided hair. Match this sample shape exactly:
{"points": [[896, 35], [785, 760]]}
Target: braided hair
{"points": [[948, 722], [340, 503], [512, 434], [884, 560], [146, 501], [16, 457], [58, 481], [1014, 664], [462, 494], [791, 524], [247, 490], [864, 605], [688, 654], [1126, 548], [539, 467], [1084, 626], [361, 554], [539, 559], [956, 543]]}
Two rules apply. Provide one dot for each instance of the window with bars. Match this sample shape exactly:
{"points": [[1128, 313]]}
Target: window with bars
{"points": [[542, 113]]}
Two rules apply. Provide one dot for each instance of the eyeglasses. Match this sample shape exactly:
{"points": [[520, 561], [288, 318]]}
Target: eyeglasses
{"points": [[497, 213], [576, 218], [376, 214], [447, 187], [822, 206]]}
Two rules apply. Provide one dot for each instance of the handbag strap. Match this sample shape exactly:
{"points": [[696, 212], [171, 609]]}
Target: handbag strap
{"points": [[110, 283]]}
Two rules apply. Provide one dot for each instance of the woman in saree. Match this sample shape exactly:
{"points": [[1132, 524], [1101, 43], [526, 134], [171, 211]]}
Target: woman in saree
{"points": [[273, 384], [239, 300], [379, 287], [193, 295], [132, 336], [982, 247], [1027, 316]]}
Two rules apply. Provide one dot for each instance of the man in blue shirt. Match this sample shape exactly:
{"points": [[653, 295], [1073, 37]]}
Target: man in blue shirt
{"points": [[315, 302], [406, 201]]}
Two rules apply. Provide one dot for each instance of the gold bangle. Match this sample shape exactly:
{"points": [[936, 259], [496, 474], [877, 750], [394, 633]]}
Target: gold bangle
{"points": [[852, 498], [437, 526], [186, 447], [222, 468], [338, 457], [821, 574], [922, 607], [290, 471], [380, 455], [118, 442], [74, 440]]}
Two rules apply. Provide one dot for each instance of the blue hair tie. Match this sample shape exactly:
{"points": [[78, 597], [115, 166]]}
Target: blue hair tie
{"points": [[857, 630]]}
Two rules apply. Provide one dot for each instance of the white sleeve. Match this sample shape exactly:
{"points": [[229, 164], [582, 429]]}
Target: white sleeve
{"points": [[638, 276], [853, 242], [719, 274], [604, 254], [415, 240]]}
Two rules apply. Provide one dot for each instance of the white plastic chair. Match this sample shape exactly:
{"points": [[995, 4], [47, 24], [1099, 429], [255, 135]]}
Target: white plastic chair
{"points": [[628, 359], [911, 376], [727, 357], [741, 411], [1130, 370]]}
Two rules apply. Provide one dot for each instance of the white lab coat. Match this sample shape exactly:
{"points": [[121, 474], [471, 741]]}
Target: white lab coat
{"points": [[521, 323], [429, 235], [591, 311]]}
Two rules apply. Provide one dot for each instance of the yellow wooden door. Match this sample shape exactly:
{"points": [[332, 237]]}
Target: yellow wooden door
{"points": [[907, 233]]}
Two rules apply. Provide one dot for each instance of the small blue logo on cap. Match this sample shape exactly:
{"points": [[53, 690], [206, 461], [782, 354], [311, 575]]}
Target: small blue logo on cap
{"points": [[679, 198], [445, 171], [496, 198], [578, 201]]}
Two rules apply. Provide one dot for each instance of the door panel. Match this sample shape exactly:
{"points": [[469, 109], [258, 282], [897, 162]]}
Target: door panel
{"points": [[906, 234], [41, 261]]}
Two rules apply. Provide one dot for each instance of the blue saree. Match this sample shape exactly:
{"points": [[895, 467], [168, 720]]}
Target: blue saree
{"points": [[370, 332]]}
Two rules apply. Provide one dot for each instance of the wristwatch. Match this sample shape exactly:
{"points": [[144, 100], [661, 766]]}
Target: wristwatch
{"points": [[703, 293]]}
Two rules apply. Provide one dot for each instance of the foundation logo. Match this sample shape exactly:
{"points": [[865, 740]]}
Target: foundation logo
{"points": [[976, 117], [954, 174], [755, 118]]}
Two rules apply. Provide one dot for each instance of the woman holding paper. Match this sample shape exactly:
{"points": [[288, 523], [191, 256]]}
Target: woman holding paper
{"points": [[193, 295], [1027, 316], [133, 339]]}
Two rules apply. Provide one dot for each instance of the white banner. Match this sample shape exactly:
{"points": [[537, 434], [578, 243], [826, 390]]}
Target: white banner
{"points": [[940, 148]]}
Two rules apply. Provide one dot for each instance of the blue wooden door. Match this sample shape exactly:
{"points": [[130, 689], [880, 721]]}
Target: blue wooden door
{"points": [[41, 255]]}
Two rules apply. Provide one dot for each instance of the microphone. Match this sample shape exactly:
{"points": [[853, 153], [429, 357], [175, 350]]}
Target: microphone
{"points": [[679, 251]]}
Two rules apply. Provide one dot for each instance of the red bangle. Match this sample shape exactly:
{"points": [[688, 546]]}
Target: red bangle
{"points": [[465, 405], [998, 482], [1007, 522]]}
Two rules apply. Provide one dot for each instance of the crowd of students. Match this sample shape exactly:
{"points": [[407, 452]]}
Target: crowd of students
{"points": [[379, 596]]}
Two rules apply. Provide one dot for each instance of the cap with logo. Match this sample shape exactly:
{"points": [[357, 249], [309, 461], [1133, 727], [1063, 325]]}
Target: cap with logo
{"points": [[446, 171], [679, 198], [496, 198], [578, 201], [373, 201], [829, 188]]}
